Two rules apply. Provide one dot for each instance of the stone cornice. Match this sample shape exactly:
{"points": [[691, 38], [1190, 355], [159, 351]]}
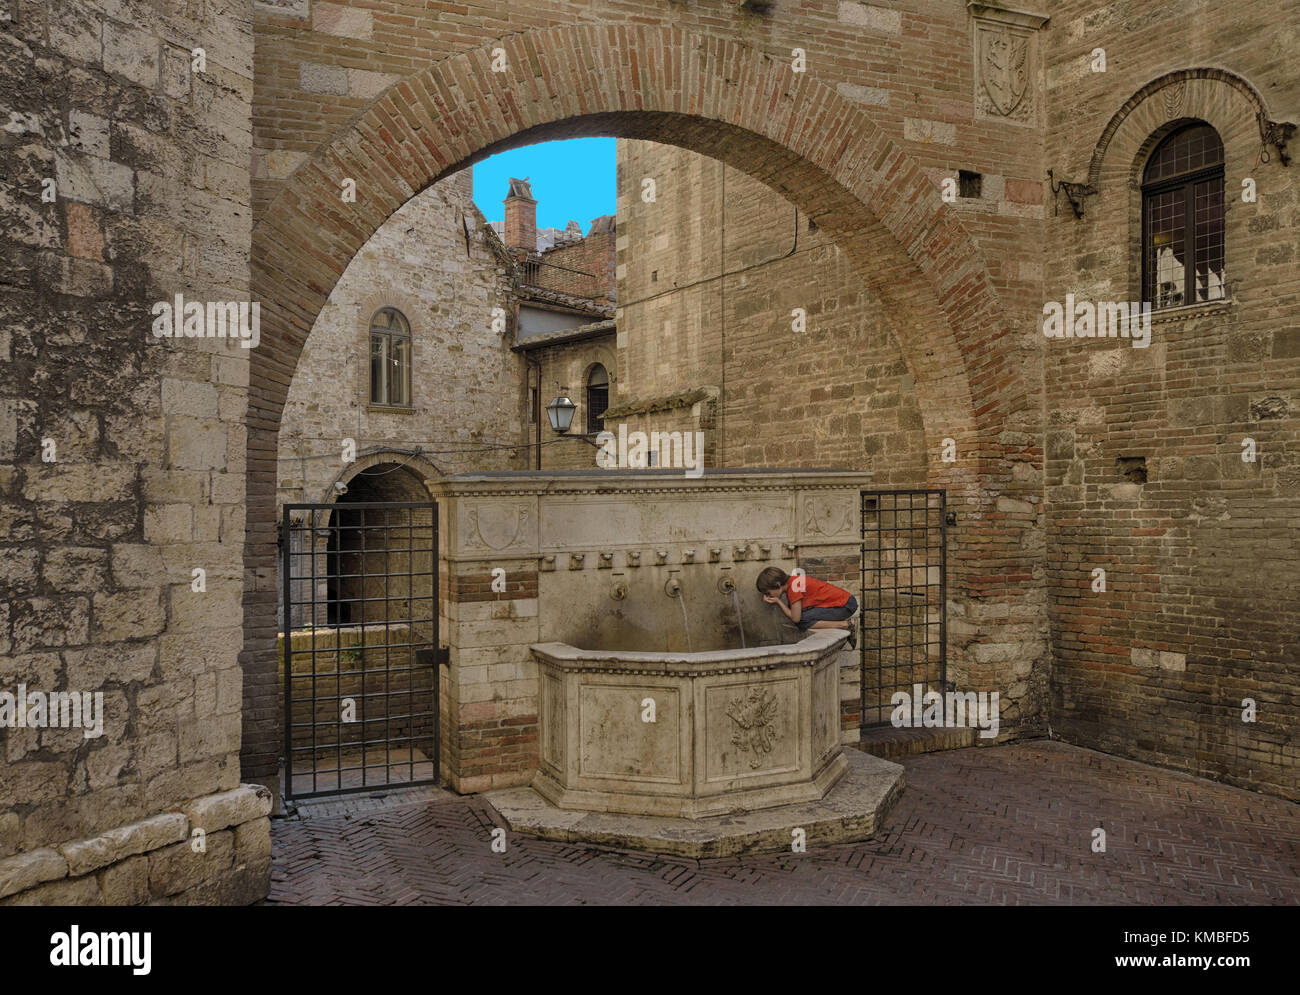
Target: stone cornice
{"points": [[809, 651], [1005, 15], [609, 482]]}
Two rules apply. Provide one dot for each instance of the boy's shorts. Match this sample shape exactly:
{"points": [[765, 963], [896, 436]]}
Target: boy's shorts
{"points": [[836, 614]]}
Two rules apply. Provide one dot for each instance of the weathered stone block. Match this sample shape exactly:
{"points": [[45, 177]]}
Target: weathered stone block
{"points": [[129, 616], [76, 891], [178, 868], [869, 16], [231, 808], [126, 883], [50, 622], [75, 568], [27, 870], [131, 53], [117, 844], [316, 78]]}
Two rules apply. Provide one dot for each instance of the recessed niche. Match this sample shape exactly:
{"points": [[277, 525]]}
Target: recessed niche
{"points": [[969, 185], [1132, 468]]}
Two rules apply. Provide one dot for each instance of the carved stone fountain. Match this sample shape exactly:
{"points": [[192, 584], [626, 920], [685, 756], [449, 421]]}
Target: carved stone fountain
{"points": [[690, 734], [675, 711]]}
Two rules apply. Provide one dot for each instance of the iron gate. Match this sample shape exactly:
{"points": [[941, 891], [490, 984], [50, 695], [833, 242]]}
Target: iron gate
{"points": [[359, 631], [904, 619]]}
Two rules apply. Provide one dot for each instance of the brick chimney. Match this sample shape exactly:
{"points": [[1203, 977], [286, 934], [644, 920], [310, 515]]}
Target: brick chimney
{"points": [[520, 228]]}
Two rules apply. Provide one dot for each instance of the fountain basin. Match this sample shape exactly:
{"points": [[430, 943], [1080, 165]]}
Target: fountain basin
{"points": [[690, 735]]}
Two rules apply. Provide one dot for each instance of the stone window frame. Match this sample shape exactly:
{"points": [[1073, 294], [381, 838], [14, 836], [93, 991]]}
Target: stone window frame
{"points": [[602, 358], [411, 308], [586, 395]]}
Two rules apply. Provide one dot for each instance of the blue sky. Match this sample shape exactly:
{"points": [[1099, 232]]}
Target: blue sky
{"points": [[571, 179]]}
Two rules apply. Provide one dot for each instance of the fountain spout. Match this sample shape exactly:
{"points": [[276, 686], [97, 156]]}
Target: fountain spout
{"points": [[726, 585], [673, 588]]}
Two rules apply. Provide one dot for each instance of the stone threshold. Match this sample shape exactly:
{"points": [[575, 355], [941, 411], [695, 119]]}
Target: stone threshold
{"points": [[365, 802], [852, 811], [891, 743]]}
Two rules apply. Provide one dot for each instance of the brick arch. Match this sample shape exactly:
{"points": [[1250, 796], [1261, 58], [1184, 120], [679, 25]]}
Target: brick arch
{"points": [[710, 95], [417, 468], [1219, 99], [1201, 89]]}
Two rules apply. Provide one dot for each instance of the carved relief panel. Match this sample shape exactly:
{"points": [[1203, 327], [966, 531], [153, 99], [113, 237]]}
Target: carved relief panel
{"points": [[1007, 85]]}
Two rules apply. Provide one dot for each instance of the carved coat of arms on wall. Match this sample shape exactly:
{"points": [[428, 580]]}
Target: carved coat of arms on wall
{"points": [[1005, 71], [755, 719], [1004, 67], [496, 526], [826, 518]]}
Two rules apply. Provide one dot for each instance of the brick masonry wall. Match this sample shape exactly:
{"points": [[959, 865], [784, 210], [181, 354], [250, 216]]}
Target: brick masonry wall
{"points": [[836, 394], [1199, 611], [490, 726], [587, 267], [145, 484]]}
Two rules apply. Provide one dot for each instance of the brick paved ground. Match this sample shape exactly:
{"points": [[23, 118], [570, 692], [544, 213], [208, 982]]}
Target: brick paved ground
{"points": [[1006, 825]]}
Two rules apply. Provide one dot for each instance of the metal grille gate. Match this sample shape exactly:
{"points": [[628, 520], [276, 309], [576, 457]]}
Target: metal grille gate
{"points": [[359, 630], [904, 619]]}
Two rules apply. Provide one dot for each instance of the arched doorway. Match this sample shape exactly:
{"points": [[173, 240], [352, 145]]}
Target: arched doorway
{"points": [[358, 671]]}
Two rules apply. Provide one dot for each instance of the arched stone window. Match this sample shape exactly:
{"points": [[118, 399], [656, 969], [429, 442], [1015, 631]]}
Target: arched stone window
{"points": [[1183, 220], [597, 398], [390, 358]]}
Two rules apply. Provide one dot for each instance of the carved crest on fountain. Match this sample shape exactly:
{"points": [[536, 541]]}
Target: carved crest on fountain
{"points": [[755, 719]]}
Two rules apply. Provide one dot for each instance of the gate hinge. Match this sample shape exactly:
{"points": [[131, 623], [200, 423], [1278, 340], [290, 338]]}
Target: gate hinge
{"points": [[441, 656]]}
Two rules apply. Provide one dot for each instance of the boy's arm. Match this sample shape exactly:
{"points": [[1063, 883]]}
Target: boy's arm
{"points": [[795, 611]]}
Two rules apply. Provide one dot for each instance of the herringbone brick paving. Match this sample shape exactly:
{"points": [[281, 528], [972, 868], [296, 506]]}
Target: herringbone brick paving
{"points": [[1009, 825]]}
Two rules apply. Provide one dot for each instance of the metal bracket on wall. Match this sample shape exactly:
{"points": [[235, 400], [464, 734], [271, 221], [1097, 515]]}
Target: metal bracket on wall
{"points": [[1277, 134], [1074, 191]]}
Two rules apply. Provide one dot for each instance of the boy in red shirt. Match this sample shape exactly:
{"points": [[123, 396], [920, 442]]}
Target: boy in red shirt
{"points": [[814, 604]]}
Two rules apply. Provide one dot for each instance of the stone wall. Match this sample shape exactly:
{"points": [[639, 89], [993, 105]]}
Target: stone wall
{"points": [[434, 262], [214, 850], [122, 454]]}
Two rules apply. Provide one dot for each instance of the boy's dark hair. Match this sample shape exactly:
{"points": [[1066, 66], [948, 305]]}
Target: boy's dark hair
{"points": [[771, 578]]}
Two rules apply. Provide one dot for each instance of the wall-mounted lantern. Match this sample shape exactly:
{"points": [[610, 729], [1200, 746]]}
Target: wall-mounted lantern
{"points": [[560, 412]]}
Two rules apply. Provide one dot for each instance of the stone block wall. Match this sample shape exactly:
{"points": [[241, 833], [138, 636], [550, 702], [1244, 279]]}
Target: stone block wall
{"points": [[374, 668], [432, 261], [215, 850], [122, 454]]}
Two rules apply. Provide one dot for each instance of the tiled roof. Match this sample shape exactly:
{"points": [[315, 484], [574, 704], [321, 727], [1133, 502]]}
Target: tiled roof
{"points": [[568, 334], [528, 292]]}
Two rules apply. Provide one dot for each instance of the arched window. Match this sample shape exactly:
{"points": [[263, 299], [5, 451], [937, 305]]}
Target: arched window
{"points": [[597, 398], [1182, 219], [390, 358]]}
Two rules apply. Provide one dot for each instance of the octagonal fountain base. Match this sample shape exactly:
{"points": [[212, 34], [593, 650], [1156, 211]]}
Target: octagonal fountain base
{"points": [[851, 811], [695, 754]]}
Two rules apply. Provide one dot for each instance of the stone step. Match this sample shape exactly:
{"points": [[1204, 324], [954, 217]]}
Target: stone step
{"points": [[891, 743]]}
